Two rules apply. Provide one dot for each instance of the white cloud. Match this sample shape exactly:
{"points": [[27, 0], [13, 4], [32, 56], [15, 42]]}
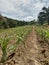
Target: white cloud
{"points": [[28, 18], [22, 9]]}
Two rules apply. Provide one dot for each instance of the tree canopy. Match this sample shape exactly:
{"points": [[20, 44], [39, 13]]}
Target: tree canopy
{"points": [[44, 16]]}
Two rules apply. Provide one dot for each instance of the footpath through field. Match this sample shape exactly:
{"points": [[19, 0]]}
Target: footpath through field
{"points": [[28, 55], [33, 49]]}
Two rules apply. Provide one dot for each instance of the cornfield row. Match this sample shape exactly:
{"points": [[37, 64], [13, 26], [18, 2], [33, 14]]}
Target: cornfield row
{"points": [[43, 33], [18, 34]]}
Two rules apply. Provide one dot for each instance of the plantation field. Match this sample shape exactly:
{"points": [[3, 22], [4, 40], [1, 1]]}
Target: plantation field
{"points": [[10, 38], [13, 33], [25, 45]]}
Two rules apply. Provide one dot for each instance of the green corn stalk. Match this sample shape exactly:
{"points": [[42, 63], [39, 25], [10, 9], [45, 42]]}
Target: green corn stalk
{"points": [[19, 39], [44, 33], [4, 43]]}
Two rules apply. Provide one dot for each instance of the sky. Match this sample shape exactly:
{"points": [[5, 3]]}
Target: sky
{"points": [[22, 9]]}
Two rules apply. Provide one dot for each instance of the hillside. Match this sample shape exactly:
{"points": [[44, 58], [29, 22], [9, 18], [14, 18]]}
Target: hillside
{"points": [[10, 23]]}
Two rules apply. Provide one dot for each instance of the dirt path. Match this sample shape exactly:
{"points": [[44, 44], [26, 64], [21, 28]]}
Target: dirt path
{"points": [[28, 55], [33, 49]]}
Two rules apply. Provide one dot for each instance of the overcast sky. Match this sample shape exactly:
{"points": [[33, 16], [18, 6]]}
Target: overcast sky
{"points": [[22, 9]]}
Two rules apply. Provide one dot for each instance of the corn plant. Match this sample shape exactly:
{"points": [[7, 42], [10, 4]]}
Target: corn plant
{"points": [[47, 34], [19, 39], [4, 42], [44, 33]]}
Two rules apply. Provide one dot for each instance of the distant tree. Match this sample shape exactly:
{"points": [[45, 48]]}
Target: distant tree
{"points": [[41, 18], [12, 23], [46, 10], [44, 15], [3, 22], [32, 22]]}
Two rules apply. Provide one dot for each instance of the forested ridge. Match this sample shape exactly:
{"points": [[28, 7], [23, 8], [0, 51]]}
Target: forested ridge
{"points": [[6, 22]]}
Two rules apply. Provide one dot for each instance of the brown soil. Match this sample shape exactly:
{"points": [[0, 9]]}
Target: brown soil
{"points": [[33, 53]]}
